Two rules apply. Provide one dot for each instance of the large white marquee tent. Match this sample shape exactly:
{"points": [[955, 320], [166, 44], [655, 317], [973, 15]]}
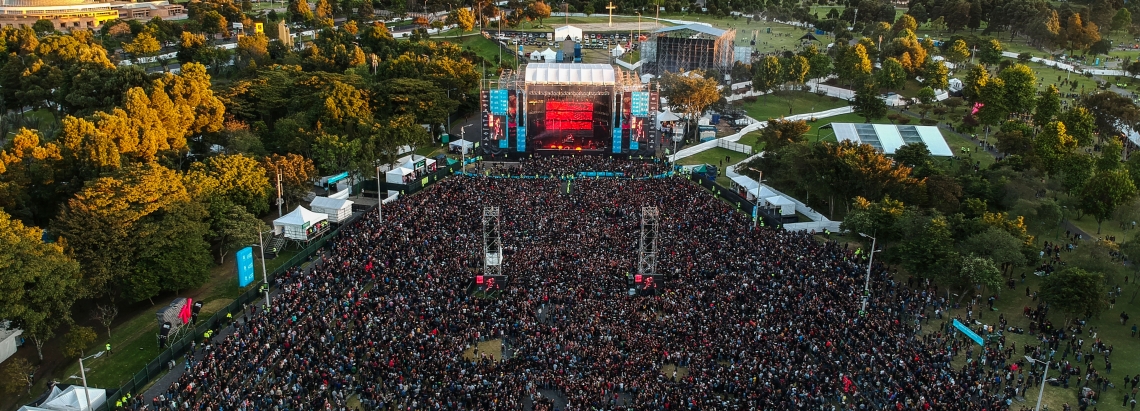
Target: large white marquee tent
{"points": [[295, 225], [889, 137], [72, 398]]}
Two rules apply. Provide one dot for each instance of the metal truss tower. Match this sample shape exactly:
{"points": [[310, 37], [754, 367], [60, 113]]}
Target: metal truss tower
{"points": [[492, 242], [647, 247]]}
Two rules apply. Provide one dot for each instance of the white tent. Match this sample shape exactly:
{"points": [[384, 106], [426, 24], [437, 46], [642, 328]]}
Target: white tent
{"points": [[72, 398], [549, 55], [748, 186], [337, 209], [8, 339], [560, 33], [457, 145], [397, 175], [300, 223], [787, 206], [617, 51], [536, 55]]}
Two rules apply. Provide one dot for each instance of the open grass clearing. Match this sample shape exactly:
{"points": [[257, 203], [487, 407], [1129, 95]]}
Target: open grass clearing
{"points": [[786, 103], [494, 348]]}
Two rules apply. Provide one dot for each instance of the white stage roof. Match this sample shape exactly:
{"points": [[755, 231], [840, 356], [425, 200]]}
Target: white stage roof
{"points": [[889, 137], [570, 73]]}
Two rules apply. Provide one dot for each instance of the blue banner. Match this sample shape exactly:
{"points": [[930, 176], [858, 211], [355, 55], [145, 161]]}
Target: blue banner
{"points": [[499, 102], [617, 139], [245, 266], [639, 104], [503, 143], [633, 144], [521, 146], [969, 333]]}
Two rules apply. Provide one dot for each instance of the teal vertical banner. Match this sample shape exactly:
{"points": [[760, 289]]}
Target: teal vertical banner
{"points": [[521, 146], [968, 332], [245, 266]]}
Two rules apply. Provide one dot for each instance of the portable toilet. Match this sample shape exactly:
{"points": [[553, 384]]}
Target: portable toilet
{"points": [[577, 52]]}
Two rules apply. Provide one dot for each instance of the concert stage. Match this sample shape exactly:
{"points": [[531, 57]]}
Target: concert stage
{"points": [[552, 108]]}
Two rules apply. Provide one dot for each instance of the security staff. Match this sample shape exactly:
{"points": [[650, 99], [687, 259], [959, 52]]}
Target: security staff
{"points": [[108, 348]]}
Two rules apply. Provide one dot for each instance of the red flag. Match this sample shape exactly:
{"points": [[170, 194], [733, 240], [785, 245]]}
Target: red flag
{"points": [[185, 314]]}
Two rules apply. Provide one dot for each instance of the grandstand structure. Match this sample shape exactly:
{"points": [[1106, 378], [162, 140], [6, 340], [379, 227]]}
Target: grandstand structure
{"points": [[688, 47]]}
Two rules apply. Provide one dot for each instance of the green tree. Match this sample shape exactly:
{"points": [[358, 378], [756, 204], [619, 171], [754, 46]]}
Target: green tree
{"points": [[538, 10], [1110, 154], [144, 45], [1052, 145], [462, 17], [926, 248], [300, 11], [690, 94], [980, 271], [905, 22], [296, 174], [1048, 106], [780, 132], [43, 27], [766, 74], [1122, 19], [958, 52], [1020, 88], [976, 80], [854, 65], [334, 153], [240, 179], [892, 75], [16, 374], [990, 53], [997, 245], [819, 66], [878, 218], [926, 95], [1081, 124], [33, 271], [1075, 292], [1104, 193], [868, 104], [77, 340], [797, 69], [914, 155], [937, 75]]}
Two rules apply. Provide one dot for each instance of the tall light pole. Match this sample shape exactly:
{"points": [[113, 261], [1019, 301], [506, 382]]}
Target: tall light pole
{"points": [[83, 375], [867, 278], [264, 272], [379, 195], [756, 204], [1043, 376]]}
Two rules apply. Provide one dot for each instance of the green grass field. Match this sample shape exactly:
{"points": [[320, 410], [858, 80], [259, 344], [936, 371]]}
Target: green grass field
{"points": [[782, 104]]}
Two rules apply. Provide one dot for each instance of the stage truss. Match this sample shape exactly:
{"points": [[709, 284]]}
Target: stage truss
{"points": [[492, 242], [647, 246], [686, 49]]}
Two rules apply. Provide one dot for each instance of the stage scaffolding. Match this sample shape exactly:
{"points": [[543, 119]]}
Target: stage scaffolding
{"points": [[647, 246], [689, 47], [492, 242]]}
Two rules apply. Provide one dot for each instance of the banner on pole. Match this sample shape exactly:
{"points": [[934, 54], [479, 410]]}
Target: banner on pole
{"points": [[245, 266]]}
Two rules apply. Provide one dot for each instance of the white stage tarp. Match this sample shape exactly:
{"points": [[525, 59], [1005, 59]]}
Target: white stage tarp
{"points": [[72, 398], [296, 224], [570, 73], [560, 33]]}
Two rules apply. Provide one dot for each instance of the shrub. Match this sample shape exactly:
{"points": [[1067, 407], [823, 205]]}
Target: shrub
{"points": [[904, 120], [929, 122]]}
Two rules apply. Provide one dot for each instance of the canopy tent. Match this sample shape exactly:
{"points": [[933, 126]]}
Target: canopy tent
{"points": [[461, 145], [9, 340], [889, 137], [342, 194], [809, 37], [337, 209], [617, 51], [666, 116], [787, 206], [561, 33], [300, 224], [536, 55], [71, 398], [747, 187], [399, 175], [549, 55]]}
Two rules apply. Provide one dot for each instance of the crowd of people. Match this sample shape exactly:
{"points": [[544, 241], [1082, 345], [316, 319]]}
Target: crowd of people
{"points": [[756, 319], [565, 166]]}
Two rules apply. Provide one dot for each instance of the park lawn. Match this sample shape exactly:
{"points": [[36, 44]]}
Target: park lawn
{"points": [[785, 103], [631, 57], [549, 23], [486, 48], [782, 37], [715, 156], [1125, 349]]}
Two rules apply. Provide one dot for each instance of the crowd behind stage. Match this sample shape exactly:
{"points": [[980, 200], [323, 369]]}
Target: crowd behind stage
{"points": [[761, 319]]}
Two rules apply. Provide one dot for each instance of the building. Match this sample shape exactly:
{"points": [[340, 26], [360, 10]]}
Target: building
{"points": [[65, 15], [689, 47], [887, 138], [143, 11]]}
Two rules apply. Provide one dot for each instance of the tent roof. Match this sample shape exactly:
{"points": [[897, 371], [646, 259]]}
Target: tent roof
{"points": [[300, 216], [889, 137], [667, 116], [331, 203], [400, 171], [619, 47], [808, 36], [779, 200], [461, 143], [750, 185], [72, 398], [572, 73], [697, 27]]}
